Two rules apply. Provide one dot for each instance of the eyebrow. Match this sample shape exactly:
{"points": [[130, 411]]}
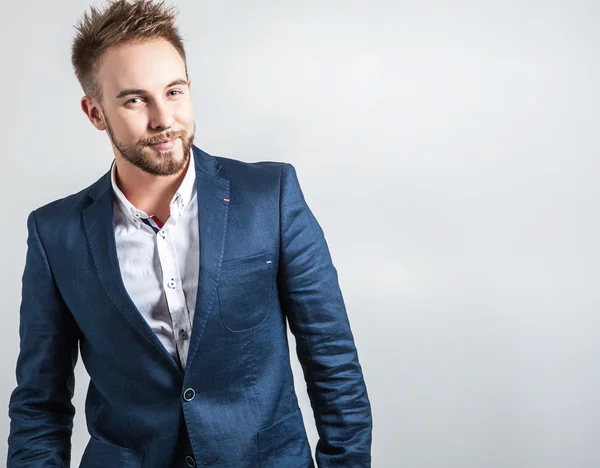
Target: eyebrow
{"points": [[126, 92]]}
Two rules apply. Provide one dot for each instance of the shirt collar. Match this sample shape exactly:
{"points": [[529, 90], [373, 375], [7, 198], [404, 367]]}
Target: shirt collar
{"points": [[180, 200]]}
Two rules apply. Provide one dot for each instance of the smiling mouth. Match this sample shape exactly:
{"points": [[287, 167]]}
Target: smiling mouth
{"points": [[165, 145]]}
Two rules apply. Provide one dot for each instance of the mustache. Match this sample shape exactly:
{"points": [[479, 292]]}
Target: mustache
{"points": [[165, 136]]}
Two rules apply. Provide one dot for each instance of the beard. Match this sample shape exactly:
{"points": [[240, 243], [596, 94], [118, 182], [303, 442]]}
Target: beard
{"points": [[166, 164]]}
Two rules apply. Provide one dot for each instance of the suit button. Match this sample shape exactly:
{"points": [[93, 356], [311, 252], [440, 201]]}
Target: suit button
{"points": [[189, 394], [190, 461]]}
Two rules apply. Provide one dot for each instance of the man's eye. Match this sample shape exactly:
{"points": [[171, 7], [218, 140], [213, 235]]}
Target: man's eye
{"points": [[131, 101], [175, 91]]}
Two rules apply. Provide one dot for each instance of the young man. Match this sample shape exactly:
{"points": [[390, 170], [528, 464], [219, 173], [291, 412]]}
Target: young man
{"points": [[175, 274]]}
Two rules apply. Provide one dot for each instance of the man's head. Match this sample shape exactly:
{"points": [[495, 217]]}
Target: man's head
{"points": [[130, 61]]}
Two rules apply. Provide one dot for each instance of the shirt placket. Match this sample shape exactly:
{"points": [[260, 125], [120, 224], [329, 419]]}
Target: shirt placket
{"points": [[173, 287]]}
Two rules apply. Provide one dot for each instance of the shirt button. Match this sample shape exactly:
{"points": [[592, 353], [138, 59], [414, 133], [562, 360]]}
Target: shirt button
{"points": [[183, 334], [171, 284], [162, 233], [190, 461], [189, 394]]}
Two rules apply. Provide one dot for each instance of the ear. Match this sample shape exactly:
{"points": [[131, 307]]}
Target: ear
{"points": [[189, 83], [93, 112]]}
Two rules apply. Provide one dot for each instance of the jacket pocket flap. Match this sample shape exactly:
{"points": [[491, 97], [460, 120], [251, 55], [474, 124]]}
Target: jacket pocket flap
{"points": [[100, 454], [284, 444]]}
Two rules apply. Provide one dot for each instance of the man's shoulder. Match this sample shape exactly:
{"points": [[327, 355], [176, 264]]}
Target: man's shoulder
{"points": [[260, 178], [236, 168], [70, 206]]}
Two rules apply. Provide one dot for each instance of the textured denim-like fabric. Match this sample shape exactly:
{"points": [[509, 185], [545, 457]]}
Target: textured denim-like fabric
{"points": [[264, 262]]}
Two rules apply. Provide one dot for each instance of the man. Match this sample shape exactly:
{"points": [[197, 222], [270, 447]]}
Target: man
{"points": [[175, 274]]}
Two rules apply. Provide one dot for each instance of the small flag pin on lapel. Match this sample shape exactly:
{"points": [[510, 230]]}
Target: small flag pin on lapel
{"points": [[226, 200]]}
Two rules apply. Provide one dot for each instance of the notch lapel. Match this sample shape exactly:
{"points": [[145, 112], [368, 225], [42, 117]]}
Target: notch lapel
{"points": [[98, 219], [212, 192]]}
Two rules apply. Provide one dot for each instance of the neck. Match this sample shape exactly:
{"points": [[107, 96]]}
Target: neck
{"points": [[147, 192]]}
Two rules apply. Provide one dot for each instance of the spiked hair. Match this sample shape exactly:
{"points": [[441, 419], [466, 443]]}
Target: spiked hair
{"points": [[118, 22]]}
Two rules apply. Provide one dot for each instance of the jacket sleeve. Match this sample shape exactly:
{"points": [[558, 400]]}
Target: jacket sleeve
{"points": [[40, 408], [313, 303]]}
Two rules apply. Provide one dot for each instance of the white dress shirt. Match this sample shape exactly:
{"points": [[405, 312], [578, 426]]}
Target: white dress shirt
{"points": [[159, 265]]}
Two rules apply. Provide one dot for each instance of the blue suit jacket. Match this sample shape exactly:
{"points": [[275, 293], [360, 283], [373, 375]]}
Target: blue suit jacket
{"points": [[263, 262]]}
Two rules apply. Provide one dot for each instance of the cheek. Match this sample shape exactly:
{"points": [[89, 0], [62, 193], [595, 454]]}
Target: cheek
{"points": [[132, 128], [185, 115]]}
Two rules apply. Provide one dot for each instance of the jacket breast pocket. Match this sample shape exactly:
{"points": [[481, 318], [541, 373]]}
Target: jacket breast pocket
{"points": [[245, 291], [100, 454]]}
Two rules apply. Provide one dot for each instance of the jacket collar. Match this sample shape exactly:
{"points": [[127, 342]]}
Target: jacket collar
{"points": [[203, 162]]}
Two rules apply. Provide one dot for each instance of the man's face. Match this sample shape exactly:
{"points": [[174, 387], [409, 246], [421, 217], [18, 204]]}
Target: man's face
{"points": [[146, 101]]}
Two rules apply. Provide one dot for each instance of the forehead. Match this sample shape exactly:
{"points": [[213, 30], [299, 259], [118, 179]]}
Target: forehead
{"points": [[149, 65]]}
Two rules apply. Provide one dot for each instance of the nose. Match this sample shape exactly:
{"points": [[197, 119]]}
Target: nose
{"points": [[161, 117]]}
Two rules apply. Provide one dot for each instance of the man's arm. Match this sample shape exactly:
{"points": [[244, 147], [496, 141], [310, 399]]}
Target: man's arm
{"points": [[313, 303], [40, 407]]}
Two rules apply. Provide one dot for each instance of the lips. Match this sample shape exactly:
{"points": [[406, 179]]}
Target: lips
{"points": [[164, 141], [165, 144]]}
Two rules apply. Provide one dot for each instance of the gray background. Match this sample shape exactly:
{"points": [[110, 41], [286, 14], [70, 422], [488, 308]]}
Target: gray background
{"points": [[450, 152]]}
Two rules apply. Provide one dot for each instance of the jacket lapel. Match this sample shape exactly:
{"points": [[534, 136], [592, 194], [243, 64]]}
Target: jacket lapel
{"points": [[212, 193], [213, 208], [98, 219]]}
